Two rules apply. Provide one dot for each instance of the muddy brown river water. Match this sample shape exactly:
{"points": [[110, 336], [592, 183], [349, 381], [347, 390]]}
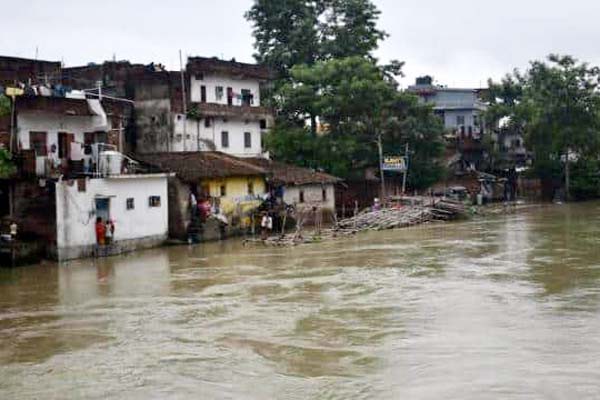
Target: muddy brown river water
{"points": [[500, 308]]}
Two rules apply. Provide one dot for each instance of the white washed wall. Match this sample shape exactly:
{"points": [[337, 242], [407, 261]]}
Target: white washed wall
{"points": [[313, 195], [212, 81], [235, 127], [75, 211]]}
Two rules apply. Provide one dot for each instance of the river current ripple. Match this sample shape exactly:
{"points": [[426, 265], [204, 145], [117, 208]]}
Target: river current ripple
{"points": [[507, 307]]}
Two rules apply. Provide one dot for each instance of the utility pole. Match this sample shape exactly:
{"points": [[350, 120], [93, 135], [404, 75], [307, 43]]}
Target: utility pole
{"points": [[567, 177], [381, 174], [405, 169], [183, 96]]}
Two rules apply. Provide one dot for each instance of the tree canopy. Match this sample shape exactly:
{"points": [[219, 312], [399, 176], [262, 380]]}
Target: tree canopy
{"points": [[355, 103], [294, 32], [556, 105], [332, 98]]}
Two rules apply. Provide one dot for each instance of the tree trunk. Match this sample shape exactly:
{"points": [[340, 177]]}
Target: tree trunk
{"points": [[313, 124]]}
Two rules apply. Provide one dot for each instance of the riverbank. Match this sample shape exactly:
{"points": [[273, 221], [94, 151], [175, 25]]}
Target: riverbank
{"points": [[307, 236]]}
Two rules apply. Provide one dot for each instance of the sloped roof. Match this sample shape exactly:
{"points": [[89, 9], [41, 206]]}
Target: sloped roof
{"points": [[195, 166], [293, 175]]}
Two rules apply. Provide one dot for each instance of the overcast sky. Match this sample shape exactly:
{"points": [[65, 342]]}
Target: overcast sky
{"points": [[459, 42]]}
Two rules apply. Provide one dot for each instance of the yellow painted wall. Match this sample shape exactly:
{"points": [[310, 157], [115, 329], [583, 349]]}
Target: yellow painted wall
{"points": [[237, 194]]}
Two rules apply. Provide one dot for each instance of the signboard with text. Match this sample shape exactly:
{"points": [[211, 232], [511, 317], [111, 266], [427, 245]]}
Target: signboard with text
{"points": [[394, 163]]}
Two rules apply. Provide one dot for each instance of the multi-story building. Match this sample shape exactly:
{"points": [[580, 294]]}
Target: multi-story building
{"points": [[67, 145], [224, 109], [218, 108], [460, 109]]}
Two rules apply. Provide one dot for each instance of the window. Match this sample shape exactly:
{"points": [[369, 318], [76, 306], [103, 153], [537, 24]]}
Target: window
{"points": [[130, 203], [470, 130], [247, 140], [251, 188], [229, 96], [324, 194], [203, 94], [247, 97], [460, 120], [225, 139], [95, 137], [207, 122], [219, 93], [37, 142], [223, 190], [154, 201], [263, 124], [476, 120], [200, 77], [301, 197]]}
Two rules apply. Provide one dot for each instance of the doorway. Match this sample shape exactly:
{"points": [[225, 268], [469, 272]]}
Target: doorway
{"points": [[103, 209]]}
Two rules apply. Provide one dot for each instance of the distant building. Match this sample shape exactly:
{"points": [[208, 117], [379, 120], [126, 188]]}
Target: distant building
{"points": [[461, 111]]}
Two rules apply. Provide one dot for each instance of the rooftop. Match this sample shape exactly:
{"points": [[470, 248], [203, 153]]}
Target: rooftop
{"points": [[215, 65], [292, 175], [195, 166]]}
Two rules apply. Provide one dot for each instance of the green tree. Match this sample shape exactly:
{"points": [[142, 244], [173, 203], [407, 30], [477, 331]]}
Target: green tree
{"points": [[358, 105], [294, 32], [556, 105], [350, 29], [5, 105], [286, 33], [7, 167]]}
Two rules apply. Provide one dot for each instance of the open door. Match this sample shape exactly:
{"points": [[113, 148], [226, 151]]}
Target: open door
{"points": [[103, 208]]}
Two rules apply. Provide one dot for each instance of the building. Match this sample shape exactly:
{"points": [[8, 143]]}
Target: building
{"points": [[218, 107], [461, 111], [234, 187], [300, 187], [67, 146], [137, 204]]}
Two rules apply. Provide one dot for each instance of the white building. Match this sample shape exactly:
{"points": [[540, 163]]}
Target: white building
{"points": [[303, 188], [61, 132], [137, 204], [460, 109], [69, 147], [224, 110]]}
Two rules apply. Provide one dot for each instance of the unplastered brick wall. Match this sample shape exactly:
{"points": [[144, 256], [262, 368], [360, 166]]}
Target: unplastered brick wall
{"points": [[34, 209]]}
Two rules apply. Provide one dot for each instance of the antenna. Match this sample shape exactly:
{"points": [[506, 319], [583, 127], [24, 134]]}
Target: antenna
{"points": [[37, 50]]}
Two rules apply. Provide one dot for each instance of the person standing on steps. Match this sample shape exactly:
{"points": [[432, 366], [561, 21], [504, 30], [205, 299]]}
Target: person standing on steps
{"points": [[100, 232]]}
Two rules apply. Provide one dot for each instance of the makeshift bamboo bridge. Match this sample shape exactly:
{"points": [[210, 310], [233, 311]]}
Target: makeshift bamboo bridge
{"points": [[420, 211]]}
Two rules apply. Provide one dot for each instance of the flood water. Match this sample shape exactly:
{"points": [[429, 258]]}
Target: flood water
{"points": [[502, 308]]}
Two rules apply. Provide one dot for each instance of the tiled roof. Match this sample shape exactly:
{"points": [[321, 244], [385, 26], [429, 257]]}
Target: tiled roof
{"points": [[293, 175], [195, 166]]}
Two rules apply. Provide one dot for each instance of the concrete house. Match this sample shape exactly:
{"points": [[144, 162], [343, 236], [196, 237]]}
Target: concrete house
{"points": [[461, 110], [71, 170], [224, 111], [218, 107], [232, 185], [301, 187]]}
